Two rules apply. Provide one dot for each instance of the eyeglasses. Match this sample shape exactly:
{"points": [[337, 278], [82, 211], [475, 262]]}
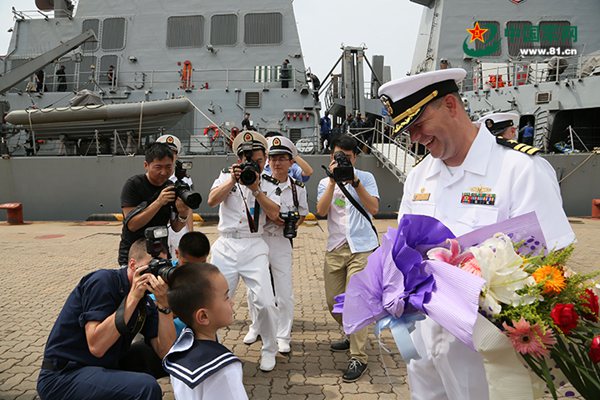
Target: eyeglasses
{"points": [[273, 160]]}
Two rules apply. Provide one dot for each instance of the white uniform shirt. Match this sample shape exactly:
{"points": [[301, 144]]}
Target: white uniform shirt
{"points": [[232, 213], [493, 184], [225, 384], [282, 194]]}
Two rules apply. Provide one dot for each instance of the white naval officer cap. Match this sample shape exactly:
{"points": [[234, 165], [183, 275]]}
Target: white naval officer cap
{"points": [[257, 140], [172, 141], [406, 98], [281, 145], [497, 123]]}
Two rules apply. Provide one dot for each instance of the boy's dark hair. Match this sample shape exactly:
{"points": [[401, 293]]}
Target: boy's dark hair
{"points": [[158, 151], [194, 244], [344, 142], [190, 289]]}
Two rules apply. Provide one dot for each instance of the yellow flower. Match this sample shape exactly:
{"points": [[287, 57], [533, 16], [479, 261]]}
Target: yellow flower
{"points": [[551, 277]]}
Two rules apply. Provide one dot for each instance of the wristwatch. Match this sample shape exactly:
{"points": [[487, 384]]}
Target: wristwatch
{"points": [[164, 310], [356, 183], [256, 192], [181, 219]]}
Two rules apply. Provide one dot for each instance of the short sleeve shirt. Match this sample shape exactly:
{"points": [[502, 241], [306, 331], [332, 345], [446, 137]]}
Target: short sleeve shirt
{"points": [[96, 297], [137, 190], [493, 184], [283, 195]]}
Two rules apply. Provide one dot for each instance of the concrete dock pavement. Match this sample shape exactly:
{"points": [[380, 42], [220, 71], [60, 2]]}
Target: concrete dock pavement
{"points": [[41, 262]]}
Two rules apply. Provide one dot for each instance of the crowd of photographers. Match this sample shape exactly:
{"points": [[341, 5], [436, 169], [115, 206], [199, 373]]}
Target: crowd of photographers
{"points": [[159, 314]]}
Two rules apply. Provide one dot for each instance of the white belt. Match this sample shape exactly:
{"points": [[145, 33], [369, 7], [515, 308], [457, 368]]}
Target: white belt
{"points": [[269, 234], [239, 235]]}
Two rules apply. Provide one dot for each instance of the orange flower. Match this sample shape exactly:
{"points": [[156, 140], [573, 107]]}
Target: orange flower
{"points": [[551, 277]]}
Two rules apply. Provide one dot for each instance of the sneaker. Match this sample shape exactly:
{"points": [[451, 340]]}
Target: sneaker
{"points": [[355, 370], [283, 346], [251, 336], [267, 362], [342, 345]]}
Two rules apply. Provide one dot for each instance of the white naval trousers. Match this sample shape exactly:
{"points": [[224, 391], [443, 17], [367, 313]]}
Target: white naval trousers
{"points": [[447, 370], [248, 258], [280, 260]]}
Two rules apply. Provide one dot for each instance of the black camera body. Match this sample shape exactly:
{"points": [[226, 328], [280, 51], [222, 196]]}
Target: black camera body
{"points": [[344, 171], [290, 219], [182, 189], [249, 167], [156, 243]]}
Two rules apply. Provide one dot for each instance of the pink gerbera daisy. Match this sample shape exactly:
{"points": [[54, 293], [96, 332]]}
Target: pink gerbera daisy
{"points": [[526, 339]]}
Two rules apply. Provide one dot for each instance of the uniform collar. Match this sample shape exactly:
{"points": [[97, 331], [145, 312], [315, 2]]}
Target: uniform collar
{"points": [[480, 150]]}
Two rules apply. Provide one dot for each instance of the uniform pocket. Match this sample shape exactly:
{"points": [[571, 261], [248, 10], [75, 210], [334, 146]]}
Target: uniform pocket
{"points": [[423, 209], [476, 216]]}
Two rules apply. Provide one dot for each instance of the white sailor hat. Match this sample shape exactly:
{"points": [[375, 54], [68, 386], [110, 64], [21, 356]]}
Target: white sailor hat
{"points": [[172, 141], [281, 145], [406, 98], [258, 141], [502, 117]]}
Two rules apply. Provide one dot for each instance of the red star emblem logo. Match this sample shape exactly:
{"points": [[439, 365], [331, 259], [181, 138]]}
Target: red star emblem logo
{"points": [[477, 33]]}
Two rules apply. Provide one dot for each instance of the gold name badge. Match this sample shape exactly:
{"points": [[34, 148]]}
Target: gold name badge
{"points": [[421, 196]]}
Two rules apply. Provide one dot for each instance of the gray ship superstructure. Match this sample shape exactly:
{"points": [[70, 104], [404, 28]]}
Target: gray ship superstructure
{"points": [[224, 56]]}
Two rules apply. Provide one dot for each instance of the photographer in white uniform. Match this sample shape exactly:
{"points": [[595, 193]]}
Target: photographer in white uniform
{"points": [[290, 194]]}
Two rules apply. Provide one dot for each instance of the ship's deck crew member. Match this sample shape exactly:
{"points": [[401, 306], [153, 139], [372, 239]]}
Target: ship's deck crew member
{"points": [[285, 74], [290, 195], [527, 133], [350, 241], [94, 331], [240, 250], [200, 367], [503, 125], [470, 179], [175, 145], [147, 199]]}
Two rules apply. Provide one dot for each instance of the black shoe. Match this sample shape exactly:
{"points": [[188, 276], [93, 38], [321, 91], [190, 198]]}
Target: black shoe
{"points": [[342, 345], [355, 370]]}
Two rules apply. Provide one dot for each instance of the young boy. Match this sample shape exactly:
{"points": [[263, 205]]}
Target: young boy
{"points": [[200, 367], [193, 248]]}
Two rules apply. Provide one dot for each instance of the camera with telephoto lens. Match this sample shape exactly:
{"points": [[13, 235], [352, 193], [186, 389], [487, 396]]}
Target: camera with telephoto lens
{"points": [[182, 189], [156, 243], [249, 167], [344, 171], [290, 219]]}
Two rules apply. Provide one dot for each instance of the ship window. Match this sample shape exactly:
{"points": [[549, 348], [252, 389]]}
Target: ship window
{"points": [[491, 37], [265, 28], [556, 34], [266, 73], [94, 25], [223, 30], [520, 36], [113, 34], [295, 134], [252, 100], [187, 31], [105, 63], [87, 74]]}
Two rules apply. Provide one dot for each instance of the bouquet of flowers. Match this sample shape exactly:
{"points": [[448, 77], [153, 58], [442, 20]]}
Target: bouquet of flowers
{"points": [[497, 288]]}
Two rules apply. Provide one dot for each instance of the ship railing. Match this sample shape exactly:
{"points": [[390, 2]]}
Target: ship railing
{"points": [[485, 76], [22, 15], [398, 154]]}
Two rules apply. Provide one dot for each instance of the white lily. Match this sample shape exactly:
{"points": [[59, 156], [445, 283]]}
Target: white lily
{"points": [[501, 268]]}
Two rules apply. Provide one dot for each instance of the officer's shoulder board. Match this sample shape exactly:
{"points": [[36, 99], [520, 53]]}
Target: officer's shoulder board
{"points": [[514, 145], [225, 170], [199, 362], [298, 183], [270, 179]]}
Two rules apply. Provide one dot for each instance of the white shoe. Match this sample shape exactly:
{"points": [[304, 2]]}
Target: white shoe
{"points": [[283, 346], [267, 362], [251, 336]]}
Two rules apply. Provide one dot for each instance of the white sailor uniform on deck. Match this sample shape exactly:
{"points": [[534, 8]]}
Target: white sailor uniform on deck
{"points": [[280, 252], [241, 253], [203, 370], [493, 183]]}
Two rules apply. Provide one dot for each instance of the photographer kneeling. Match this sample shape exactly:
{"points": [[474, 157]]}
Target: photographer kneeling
{"points": [[92, 335], [150, 199]]}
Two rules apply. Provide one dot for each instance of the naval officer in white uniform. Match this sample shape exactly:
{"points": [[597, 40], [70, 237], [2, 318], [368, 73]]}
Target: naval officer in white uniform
{"points": [[240, 250], [504, 124], [290, 195], [470, 179]]}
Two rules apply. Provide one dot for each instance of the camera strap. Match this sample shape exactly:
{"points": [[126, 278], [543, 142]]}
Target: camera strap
{"points": [[252, 221], [353, 201], [295, 200], [139, 323]]}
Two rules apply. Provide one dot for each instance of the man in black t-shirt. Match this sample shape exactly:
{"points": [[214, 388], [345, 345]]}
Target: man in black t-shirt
{"points": [[147, 199]]}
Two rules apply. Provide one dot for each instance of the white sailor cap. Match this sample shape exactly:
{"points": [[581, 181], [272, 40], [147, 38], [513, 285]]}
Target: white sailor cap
{"points": [[172, 141], [257, 140], [406, 98], [281, 145]]}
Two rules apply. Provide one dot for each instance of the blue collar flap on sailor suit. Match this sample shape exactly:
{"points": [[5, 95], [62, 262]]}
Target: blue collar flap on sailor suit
{"points": [[192, 361]]}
